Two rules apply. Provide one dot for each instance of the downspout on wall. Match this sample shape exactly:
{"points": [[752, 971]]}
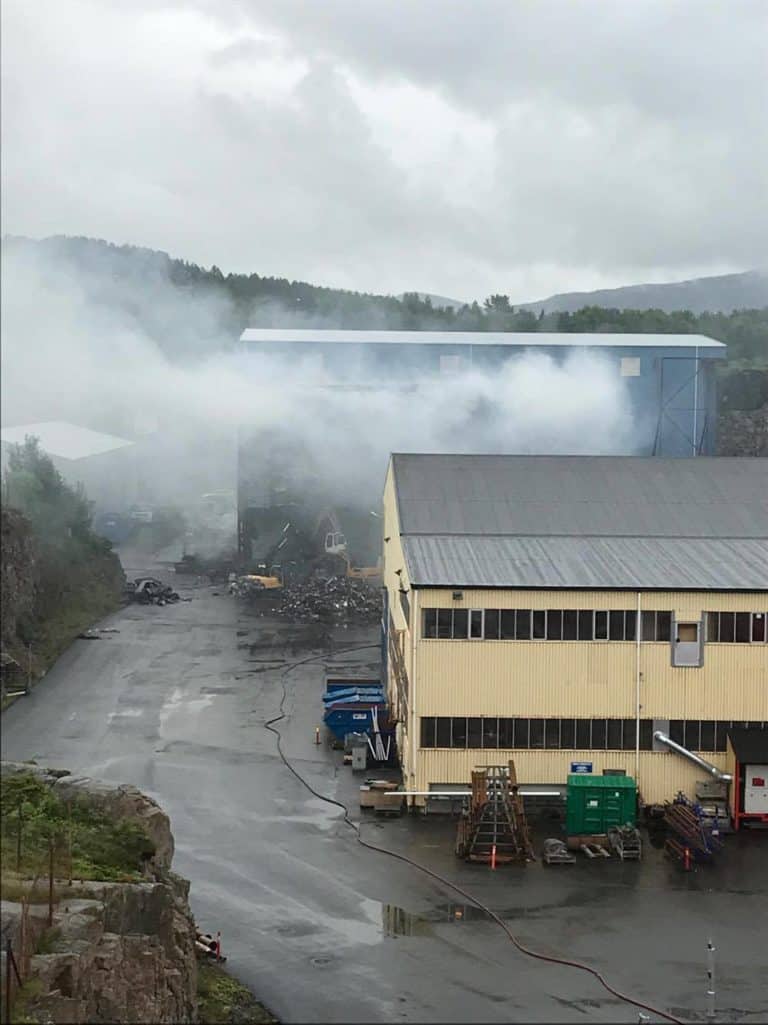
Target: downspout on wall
{"points": [[638, 678], [708, 767], [415, 627]]}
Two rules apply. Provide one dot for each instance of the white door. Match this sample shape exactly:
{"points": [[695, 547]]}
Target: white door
{"points": [[756, 789]]}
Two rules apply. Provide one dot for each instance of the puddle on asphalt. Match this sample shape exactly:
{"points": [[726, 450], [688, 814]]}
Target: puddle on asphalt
{"points": [[396, 921]]}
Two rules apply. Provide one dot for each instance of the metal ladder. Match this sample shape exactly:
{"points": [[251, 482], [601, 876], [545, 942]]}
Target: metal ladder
{"points": [[495, 827]]}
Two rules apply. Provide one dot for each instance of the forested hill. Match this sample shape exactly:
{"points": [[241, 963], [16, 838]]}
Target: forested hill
{"points": [[719, 294], [188, 309]]}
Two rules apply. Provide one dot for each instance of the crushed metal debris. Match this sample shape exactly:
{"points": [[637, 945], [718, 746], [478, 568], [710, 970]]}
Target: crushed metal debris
{"points": [[336, 599], [150, 591]]}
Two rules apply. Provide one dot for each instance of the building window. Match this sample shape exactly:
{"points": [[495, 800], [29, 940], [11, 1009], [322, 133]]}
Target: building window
{"points": [[586, 625], [601, 625], [476, 624], [428, 726], [507, 624], [552, 733], [474, 732], [568, 733], [429, 623], [616, 625], [521, 737], [580, 625], [630, 366], [491, 733], [460, 623], [536, 733], [443, 732], [583, 734], [492, 618], [554, 625], [736, 627], [628, 734], [506, 732]]}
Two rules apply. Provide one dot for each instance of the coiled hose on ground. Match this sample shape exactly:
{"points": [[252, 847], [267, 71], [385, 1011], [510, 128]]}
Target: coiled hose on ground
{"points": [[356, 827]]}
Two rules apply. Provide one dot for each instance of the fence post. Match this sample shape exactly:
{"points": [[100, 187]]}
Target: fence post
{"points": [[8, 981], [50, 882], [18, 839], [10, 962]]}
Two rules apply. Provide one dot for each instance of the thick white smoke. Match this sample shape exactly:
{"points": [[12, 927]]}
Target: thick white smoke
{"points": [[71, 355]]}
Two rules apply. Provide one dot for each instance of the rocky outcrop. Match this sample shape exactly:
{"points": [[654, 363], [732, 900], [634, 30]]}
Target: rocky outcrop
{"points": [[123, 801], [118, 952], [126, 954], [118, 801], [18, 572]]}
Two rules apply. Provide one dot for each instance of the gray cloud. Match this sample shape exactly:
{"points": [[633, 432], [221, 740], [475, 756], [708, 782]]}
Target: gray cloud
{"points": [[458, 147]]}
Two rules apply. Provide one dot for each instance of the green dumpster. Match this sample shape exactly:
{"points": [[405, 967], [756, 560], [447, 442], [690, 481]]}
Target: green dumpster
{"points": [[595, 803]]}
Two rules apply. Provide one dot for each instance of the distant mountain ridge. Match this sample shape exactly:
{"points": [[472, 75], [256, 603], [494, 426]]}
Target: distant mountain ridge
{"points": [[436, 300], [189, 311], [720, 294]]}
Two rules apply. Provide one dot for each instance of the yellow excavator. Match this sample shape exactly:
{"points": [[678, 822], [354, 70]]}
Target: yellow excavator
{"points": [[336, 546]]}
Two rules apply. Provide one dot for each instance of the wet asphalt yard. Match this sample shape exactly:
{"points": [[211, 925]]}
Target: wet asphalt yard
{"points": [[325, 931]]}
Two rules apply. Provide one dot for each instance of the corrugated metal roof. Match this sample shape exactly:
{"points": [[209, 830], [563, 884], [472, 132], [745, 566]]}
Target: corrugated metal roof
{"points": [[584, 521], [582, 496], [64, 440], [667, 564], [512, 338]]}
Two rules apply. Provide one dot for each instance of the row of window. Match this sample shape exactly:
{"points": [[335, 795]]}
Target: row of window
{"points": [[582, 625], [575, 734], [736, 627], [545, 624]]}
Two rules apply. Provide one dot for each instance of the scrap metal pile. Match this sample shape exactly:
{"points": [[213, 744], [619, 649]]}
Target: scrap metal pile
{"points": [[336, 599], [692, 836], [150, 591]]}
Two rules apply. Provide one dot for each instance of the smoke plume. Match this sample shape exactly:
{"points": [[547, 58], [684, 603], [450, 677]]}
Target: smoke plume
{"points": [[77, 349]]}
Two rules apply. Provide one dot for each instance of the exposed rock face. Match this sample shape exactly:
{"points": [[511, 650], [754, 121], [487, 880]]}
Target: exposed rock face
{"points": [[18, 572], [123, 801], [118, 801], [123, 952], [127, 955]]}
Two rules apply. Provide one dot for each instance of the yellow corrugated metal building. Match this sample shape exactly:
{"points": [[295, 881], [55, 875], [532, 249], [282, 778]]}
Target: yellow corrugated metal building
{"points": [[561, 610]]}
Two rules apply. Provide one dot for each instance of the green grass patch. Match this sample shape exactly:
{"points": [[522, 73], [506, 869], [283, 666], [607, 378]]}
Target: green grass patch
{"points": [[86, 843], [47, 941], [24, 1000], [224, 1000]]}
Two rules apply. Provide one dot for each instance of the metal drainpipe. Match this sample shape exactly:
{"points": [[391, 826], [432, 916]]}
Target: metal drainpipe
{"points": [[637, 694], [414, 629], [695, 401], [724, 777]]}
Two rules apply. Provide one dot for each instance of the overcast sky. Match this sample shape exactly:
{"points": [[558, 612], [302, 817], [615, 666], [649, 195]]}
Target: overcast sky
{"points": [[454, 146]]}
